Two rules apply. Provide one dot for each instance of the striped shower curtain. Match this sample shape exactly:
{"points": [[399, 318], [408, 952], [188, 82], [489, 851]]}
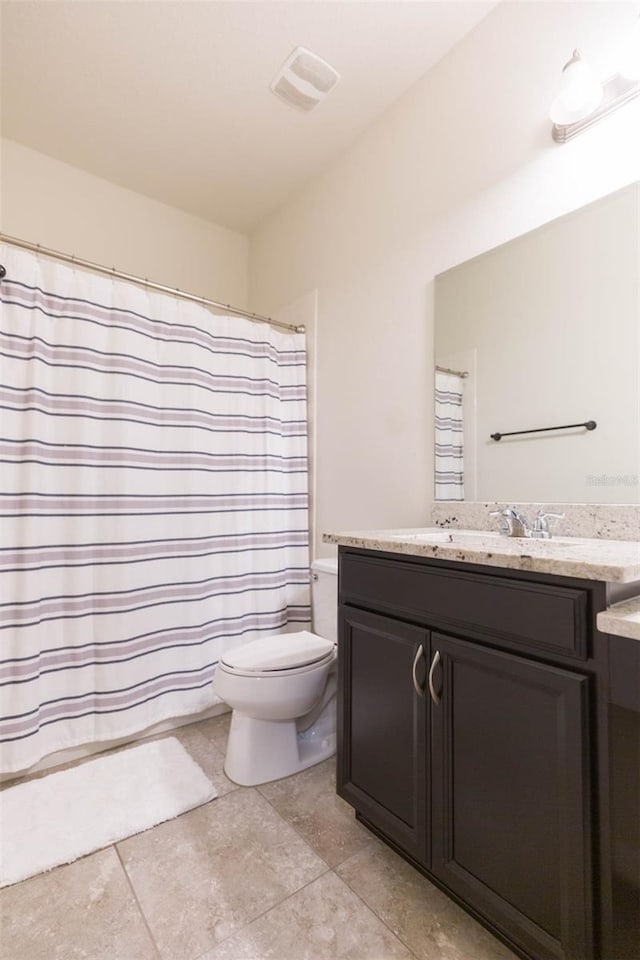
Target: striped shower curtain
{"points": [[153, 502], [449, 445]]}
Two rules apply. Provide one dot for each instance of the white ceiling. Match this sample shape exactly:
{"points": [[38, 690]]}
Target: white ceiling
{"points": [[172, 99]]}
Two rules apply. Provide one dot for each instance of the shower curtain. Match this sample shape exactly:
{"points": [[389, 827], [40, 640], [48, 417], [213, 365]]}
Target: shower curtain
{"points": [[153, 502], [449, 463]]}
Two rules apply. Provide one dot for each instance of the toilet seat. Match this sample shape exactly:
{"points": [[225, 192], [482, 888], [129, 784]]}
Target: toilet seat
{"points": [[280, 655], [281, 690], [273, 674]]}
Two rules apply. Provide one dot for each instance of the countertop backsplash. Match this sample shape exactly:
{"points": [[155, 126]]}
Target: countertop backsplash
{"points": [[597, 521]]}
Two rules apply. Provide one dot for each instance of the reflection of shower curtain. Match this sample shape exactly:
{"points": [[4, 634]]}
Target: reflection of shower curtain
{"points": [[153, 500], [448, 438]]}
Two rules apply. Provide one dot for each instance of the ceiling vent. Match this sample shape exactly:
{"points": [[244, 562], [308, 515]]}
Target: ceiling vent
{"points": [[304, 80]]}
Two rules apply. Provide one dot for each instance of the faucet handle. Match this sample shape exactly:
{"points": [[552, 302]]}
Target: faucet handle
{"points": [[541, 524], [504, 522]]}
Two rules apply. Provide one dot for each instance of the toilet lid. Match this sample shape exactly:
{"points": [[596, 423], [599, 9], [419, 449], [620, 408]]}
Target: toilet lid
{"points": [[282, 652]]}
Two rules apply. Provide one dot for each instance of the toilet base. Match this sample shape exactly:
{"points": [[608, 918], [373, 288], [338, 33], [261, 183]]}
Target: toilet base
{"points": [[262, 750]]}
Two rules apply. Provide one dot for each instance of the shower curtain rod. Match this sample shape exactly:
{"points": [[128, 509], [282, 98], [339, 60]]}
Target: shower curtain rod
{"points": [[150, 284], [457, 373]]}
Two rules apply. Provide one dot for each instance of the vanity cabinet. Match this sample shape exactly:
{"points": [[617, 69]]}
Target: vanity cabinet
{"points": [[510, 775], [383, 737], [471, 704]]}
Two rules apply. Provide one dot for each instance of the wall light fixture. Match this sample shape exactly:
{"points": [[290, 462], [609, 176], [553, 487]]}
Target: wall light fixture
{"points": [[584, 100]]}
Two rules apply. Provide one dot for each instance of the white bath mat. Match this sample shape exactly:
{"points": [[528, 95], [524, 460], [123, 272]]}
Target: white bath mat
{"points": [[65, 815]]}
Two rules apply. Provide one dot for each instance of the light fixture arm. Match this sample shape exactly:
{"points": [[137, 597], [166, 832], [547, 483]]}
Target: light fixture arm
{"points": [[575, 57]]}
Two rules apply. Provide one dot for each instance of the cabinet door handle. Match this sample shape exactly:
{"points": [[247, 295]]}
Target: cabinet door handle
{"points": [[434, 664], [418, 656]]}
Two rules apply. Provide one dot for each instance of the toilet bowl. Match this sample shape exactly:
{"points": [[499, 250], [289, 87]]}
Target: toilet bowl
{"points": [[282, 692]]}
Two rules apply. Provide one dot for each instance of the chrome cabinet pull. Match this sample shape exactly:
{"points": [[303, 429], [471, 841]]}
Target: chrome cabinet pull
{"points": [[434, 664], [416, 661]]}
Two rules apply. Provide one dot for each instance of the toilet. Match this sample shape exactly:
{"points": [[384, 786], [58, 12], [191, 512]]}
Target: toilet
{"points": [[282, 692]]}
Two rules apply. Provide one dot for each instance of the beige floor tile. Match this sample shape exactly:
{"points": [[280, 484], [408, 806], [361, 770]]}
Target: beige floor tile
{"points": [[309, 802], [207, 755], [204, 875], [215, 730], [83, 910], [322, 922], [423, 917]]}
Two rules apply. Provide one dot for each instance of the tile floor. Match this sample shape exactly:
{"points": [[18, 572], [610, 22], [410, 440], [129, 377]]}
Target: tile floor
{"points": [[281, 871]]}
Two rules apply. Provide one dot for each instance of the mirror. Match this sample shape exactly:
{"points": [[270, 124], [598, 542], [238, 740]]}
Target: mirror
{"points": [[543, 332]]}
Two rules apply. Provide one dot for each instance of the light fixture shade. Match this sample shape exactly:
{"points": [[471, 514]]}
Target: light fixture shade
{"points": [[580, 94]]}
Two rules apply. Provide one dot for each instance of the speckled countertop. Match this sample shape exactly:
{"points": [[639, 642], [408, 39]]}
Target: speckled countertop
{"points": [[615, 561], [621, 619], [595, 521]]}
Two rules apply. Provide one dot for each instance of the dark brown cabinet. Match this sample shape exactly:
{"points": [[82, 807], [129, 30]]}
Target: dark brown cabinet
{"points": [[473, 737], [379, 709], [510, 775]]}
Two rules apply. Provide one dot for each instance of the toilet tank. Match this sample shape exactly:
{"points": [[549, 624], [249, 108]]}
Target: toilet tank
{"points": [[324, 598]]}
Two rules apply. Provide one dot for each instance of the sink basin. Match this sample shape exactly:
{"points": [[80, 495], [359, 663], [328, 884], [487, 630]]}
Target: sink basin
{"points": [[438, 536], [450, 536]]}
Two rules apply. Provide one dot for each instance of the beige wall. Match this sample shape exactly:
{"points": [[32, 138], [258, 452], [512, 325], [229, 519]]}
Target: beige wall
{"points": [[552, 320], [67, 209], [463, 162]]}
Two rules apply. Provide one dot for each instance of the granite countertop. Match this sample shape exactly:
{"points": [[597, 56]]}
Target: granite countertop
{"points": [[621, 619], [615, 561]]}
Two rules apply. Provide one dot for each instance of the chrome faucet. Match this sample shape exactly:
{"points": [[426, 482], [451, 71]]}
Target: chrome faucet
{"points": [[515, 524]]}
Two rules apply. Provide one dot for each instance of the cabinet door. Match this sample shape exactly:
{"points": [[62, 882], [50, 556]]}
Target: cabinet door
{"points": [[382, 739], [511, 795]]}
